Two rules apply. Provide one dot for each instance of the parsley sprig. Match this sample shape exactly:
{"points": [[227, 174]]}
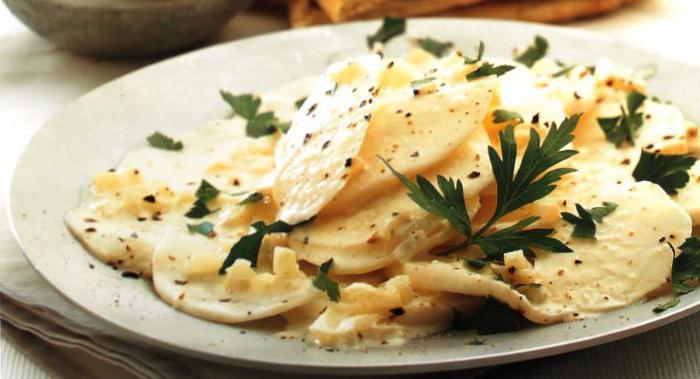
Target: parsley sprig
{"points": [[434, 47], [584, 225], [534, 179], [248, 247], [161, 141], [534, 52], [486, 68], [391, 27], [502, 115], [622, 128], [205, 228], [686, 269], [258, 124], [668, 171], [205, 192], [323, 282]]}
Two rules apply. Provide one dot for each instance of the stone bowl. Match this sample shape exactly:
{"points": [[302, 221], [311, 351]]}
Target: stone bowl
{"points": [[125, 28]]}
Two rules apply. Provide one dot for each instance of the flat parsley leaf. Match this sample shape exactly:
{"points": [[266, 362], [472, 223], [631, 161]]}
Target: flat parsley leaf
{"points": [[245, 105], [622, 128], [264, 124], [258, 124], [533, 181], [502, 115], [205, 193], [686, 269], [161, 141], [476, 264], [252, 198], [248, 247], [434, 47], [420, 82], [391, 27], [323, 282], [205, 228], [668, 171], [450, 204], [584, 227], [479, 54], [534, 52], [496, 317], [300, 102], [488, 69]]}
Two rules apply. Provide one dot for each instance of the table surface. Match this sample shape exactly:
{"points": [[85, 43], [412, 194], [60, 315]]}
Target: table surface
{"points": [[37, 79]]}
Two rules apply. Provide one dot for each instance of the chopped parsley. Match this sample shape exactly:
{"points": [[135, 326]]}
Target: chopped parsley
{"points": [[496, 317], [252, 198], [265, 124], [258, 124], [584, 225], [205, 228], [502, 115], [622, 128], [434, 47], [534, 52], [534, 179], [323, 282], [391, 27], [479, 54], [205, 193], [245, 105], [161, 141], [686, 269], [420, 82], [563, 71], [668, 171], [248, 247], [473, 263], [300, 102], [488, 69]]}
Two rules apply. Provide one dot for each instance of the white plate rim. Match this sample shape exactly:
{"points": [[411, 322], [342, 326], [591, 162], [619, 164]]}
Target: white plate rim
{"points": [[684, 310]]}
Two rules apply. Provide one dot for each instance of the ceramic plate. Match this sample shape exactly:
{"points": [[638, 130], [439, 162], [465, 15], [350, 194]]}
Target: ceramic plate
{"points": [[94, 132]]}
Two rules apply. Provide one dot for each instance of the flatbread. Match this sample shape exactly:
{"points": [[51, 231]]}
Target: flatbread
{"points": [[306, 12], [343, 10]]}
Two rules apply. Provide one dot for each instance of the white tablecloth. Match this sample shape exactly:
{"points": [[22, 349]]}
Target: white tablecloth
{"points": [[37, 79]]}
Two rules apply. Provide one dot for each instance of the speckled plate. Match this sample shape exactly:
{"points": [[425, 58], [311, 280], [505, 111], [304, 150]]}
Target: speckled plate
{"points": [[95, 131]]}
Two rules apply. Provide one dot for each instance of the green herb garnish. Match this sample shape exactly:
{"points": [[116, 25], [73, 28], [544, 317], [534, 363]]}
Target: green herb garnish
{"points": [[584, 225], [534, 52], [258, 124], [323, 282], [248, 247], [479, 54], [502, 115], [265, 124], [205, 228], [496, 317], [420, 82], [300, 102], [245, 105], [563, 71], [391, 27], [668, 171], [476, 342], [252, 198], [533, 180], [205, 193], [622, 128], [161, 141], [686, 269], [488, 69], [477, 264], [434, 47]]}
